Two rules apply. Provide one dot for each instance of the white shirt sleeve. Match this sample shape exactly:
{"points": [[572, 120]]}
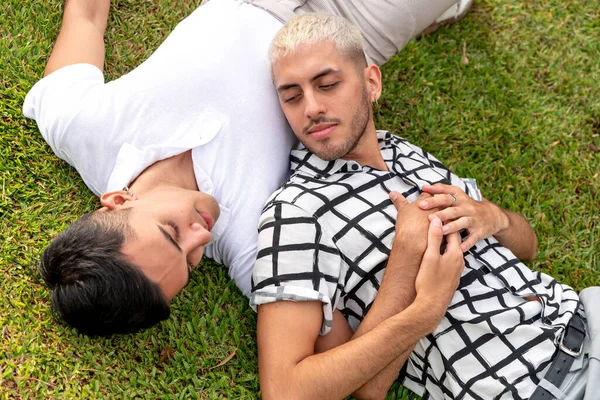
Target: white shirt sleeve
{"points": [[62, 104], [296, 261], [54, 101]]}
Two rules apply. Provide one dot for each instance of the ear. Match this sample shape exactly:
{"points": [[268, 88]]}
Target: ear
{"points": [[373, 81], [114, 200]]}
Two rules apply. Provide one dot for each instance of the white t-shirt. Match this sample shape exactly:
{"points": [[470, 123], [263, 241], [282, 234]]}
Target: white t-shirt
{"points": [[206, 88]]}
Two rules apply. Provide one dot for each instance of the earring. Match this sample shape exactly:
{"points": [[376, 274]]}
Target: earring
{"points": [[126, 189]]}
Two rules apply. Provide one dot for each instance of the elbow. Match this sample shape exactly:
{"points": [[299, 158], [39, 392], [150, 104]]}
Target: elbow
{"points": [[531, 256], [531, 252]]}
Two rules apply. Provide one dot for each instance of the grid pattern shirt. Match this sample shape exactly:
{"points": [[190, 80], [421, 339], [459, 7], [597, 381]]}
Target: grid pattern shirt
{"points": [[326, 236]]}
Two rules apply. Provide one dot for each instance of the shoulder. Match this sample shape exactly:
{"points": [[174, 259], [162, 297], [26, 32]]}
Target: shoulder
{"points": [[60, 93], [287, 204]]}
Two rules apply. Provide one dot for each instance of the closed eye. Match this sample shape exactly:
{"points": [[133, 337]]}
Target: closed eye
{"points": [[328, 87], [291, 99], [169, 238], [173, 225]]}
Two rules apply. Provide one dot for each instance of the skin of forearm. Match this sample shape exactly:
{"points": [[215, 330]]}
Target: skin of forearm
{"points": [[360, 359], [81, 37], [519, 237], [95, 11], [396, 293]]}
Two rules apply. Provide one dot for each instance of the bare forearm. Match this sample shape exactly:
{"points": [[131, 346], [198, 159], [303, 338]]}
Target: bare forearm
{"points": [[81, 37], [396, 293], [360, 359], [519, 237], [94, 10]]}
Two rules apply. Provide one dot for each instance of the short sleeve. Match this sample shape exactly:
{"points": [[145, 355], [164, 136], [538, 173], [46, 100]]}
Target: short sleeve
{"points": [[55, 100], [77, 116], [296, 260]]}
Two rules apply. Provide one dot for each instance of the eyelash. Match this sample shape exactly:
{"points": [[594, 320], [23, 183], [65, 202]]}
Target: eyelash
{"points": [[322, 87], [330, 86], [175, 228]]}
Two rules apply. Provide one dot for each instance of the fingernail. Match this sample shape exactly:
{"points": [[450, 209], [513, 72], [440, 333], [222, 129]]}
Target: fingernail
{"points": [[394, 196], [423, 204], [445, 229], [463, 247], [436, 222]]}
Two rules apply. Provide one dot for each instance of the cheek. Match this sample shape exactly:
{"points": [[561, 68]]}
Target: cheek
{"points": [[294, 120], [292, 111]]}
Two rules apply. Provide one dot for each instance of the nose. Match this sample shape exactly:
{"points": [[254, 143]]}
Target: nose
{"points": [[313, 106], [198, 236]]}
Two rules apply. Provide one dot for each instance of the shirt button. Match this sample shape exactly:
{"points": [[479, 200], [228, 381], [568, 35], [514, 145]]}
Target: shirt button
{"points": [[355, 167]]}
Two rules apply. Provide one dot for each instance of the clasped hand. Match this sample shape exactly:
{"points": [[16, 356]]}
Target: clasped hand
{"points": [[420, 233], [458, 212]]}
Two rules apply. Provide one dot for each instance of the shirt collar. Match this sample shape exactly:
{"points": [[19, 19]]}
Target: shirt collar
{"points": [[302, 161]]}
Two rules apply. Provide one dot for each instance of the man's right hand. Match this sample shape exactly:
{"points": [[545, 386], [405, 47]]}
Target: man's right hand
{"points": [[439, 274], [412, 224]]}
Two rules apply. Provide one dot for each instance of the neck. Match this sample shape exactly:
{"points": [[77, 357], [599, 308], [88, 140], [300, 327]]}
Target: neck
{"points": [[367, 150], [176, 171]]}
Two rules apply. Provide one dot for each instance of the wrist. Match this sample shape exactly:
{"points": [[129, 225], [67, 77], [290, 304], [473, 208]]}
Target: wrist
{"points": [[426, 314], [502, 217], [407, 248]]}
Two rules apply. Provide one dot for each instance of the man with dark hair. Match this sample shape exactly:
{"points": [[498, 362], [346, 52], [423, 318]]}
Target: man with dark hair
{"points": [[349, 283], [192, 142], [119, 294]]}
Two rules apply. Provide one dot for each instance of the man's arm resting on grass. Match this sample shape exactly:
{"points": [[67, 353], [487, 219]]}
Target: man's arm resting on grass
{"points": [[81, 37], [519, 236], [288, 331]]}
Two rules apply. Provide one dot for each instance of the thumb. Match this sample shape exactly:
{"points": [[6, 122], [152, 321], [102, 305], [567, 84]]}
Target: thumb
{"points": [[435, 235], [398, 199]]}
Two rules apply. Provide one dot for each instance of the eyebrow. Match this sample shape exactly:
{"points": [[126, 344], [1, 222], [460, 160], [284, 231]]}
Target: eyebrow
{"points": [[169, 238], [327, 71]]}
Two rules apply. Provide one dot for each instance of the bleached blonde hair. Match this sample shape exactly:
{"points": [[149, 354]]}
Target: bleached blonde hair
{"points": [[315, 28]]}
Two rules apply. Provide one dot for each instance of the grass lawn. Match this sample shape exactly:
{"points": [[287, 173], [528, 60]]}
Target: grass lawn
{"points": [[509, 96]]}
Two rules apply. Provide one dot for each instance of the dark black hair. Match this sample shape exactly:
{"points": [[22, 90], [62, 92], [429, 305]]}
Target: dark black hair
{"points": [[95, 289]]}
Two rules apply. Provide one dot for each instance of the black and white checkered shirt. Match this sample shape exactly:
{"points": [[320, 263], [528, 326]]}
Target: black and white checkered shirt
{"points": [[326, 235]]}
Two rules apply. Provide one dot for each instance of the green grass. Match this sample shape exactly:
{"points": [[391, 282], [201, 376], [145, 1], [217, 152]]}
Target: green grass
{"points": [[522, 116]]}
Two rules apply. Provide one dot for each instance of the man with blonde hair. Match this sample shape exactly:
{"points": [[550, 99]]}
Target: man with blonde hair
{"points": [[183, 151], [353, 283]]}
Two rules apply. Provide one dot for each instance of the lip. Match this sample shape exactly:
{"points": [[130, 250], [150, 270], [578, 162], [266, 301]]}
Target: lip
{"points": [[208, 219], [321, 131]]}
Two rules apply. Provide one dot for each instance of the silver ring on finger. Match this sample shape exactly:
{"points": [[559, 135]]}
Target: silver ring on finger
{"points": [[453, 198]]}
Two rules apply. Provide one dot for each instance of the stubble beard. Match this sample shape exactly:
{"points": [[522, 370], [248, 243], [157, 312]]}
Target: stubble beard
{"points": [[358, 126]]}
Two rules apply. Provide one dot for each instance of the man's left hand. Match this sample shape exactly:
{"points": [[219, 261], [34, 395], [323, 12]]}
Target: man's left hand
{"points": [[459, 211]]}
